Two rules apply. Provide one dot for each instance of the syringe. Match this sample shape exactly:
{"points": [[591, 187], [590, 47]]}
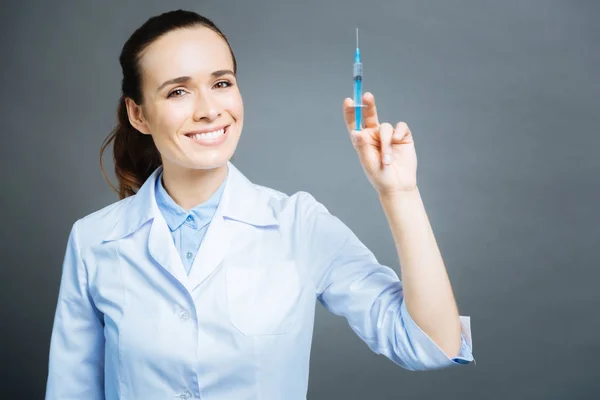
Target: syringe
{"points": [[357, 86]]}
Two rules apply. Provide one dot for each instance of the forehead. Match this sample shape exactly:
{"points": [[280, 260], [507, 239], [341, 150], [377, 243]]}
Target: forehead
{"points": [[192, 52]]}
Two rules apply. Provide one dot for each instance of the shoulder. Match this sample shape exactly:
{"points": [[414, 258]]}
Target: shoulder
{"points": [[300, 209], [309, 221], [95, 226], [299, 202]]}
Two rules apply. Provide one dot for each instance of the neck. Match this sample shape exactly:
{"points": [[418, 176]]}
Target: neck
{"points": [[191, 187]]}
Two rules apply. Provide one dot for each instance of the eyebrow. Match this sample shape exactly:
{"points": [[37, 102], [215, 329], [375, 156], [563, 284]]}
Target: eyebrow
{"points": [[183, 79]]}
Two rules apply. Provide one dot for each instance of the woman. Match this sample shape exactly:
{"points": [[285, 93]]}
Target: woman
{"points": [[145, 312]]}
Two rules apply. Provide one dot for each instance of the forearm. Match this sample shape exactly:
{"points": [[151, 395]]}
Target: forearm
{"points": [[427, 290]]}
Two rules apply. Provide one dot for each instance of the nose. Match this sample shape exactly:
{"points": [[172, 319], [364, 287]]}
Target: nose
{"points": [[207, 107]]}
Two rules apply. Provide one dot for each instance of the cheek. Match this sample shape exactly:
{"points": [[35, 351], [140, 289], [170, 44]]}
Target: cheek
{"points": [[172, 116], [233, 104]]}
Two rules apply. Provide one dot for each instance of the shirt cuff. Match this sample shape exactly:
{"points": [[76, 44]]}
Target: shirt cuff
{"points": [[431, 354]]}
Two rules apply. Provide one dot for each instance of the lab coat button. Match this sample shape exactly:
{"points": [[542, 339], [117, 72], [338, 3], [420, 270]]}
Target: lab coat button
{"points": [[185, 396], [189, 255], [184, 315]]}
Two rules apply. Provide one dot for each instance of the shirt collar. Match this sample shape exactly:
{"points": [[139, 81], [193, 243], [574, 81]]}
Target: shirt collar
{"points": [[241, 200], [175, 215]]}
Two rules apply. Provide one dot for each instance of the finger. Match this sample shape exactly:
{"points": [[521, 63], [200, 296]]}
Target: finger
{"points": [[349, 114], [402, 133], [370, 111], [385, 133]]}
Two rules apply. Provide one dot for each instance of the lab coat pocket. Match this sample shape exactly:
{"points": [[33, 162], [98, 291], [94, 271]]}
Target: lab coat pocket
{"points": [[263, 299]]}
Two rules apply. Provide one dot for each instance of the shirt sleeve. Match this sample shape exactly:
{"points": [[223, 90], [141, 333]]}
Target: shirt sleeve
{"points": [[351, 283], [76, 362]]}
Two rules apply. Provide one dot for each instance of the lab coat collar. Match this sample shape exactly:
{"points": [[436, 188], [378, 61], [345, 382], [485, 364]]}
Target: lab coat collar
{"points": [[241, 201]]}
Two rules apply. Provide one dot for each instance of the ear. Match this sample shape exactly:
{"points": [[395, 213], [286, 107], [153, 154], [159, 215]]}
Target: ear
{"points": [[136, 116]]}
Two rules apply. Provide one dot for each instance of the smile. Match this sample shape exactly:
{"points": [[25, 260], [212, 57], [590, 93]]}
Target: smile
{"points": [[209, 138]]}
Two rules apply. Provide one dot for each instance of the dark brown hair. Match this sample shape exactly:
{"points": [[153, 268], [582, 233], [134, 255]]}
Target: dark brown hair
{"points": [[135, 155]]}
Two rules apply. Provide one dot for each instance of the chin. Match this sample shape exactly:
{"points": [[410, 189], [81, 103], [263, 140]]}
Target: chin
{"points": [[211, 162]]}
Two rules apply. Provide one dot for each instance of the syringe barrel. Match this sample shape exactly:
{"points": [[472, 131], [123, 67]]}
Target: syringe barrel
{"points": [[358, 71]]}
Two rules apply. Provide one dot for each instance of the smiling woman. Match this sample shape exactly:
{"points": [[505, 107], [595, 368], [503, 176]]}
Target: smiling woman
{"points": [[180, 106], [199, 283]]}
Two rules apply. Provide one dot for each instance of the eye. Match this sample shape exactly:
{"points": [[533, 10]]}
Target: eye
{"points": [[224, 84], [176, 93]]}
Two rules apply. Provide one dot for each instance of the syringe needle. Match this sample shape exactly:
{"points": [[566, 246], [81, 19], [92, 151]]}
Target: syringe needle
{"points": [[357, 38]]}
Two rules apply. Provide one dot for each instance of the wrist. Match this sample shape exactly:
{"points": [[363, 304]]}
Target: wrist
{"points": [[394, 195]]}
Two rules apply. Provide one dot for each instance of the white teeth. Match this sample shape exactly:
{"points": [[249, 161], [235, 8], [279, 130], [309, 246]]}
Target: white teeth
{"points": [[208, 135]]}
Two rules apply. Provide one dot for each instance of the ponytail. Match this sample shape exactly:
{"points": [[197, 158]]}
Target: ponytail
{"points": [[134, 154]]}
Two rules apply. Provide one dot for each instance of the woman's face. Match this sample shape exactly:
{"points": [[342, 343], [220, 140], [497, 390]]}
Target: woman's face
{"points": [[191, 104]]}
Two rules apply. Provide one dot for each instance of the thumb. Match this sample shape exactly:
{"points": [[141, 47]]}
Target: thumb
{"points": [[363, 145], [358, 139]]}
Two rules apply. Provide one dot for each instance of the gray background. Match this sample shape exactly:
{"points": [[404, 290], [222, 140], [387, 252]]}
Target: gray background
{"points": [[503, 99]]}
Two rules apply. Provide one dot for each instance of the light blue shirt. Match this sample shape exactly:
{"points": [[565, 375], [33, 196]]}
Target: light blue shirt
{"points": [[187, 227], [131, 323]]}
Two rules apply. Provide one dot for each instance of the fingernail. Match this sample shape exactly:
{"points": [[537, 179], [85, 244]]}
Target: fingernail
{"points": [[387, 159]]}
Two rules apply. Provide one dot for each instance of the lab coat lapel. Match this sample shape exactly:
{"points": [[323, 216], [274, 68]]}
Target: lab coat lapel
{"points": [[242, 206], [216, 242], [212, 251], [136, 212], [163, 250]]}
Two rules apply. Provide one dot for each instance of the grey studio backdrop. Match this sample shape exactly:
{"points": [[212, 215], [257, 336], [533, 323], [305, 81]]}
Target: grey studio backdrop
{"points": [[502, 98]]}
